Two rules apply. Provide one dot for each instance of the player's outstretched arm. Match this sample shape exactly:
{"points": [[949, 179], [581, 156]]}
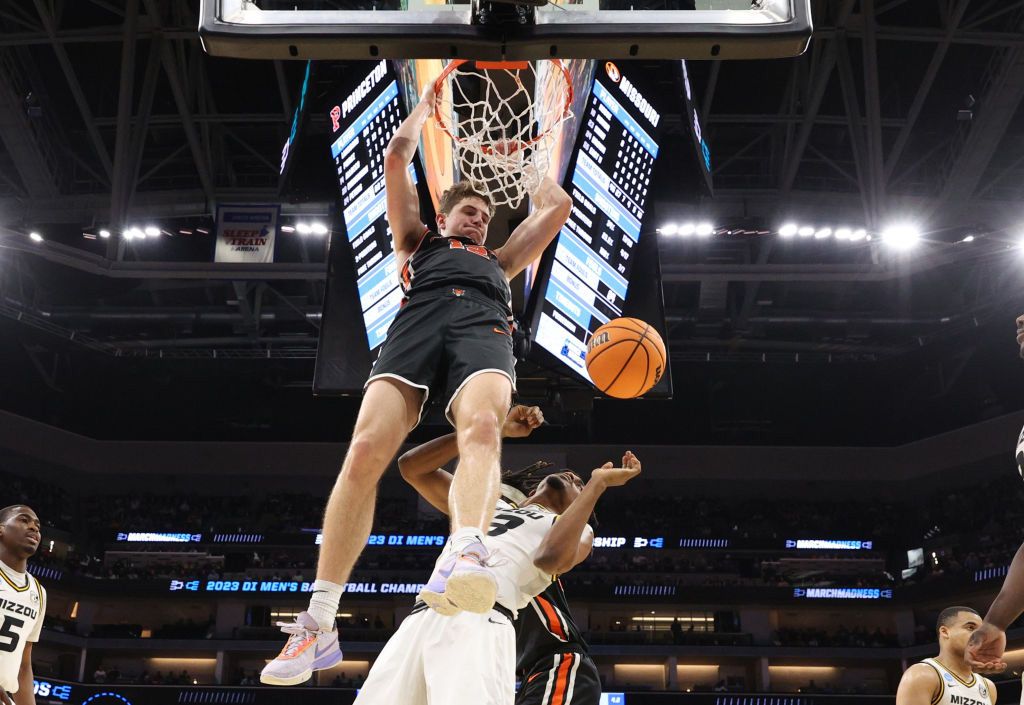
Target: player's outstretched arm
{"points": [[25, 694], [570, 540], [403, 203], [421, 466], [552, 206], [919, 685]]}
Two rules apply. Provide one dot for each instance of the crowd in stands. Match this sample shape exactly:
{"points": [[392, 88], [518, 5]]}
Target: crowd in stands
{"points": [[968, 529], [842, 636]]}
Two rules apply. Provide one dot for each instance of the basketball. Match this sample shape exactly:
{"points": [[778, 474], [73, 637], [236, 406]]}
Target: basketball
{"points": [[625, 358]]}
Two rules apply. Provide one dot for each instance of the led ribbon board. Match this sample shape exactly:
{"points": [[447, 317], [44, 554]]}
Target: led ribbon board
{"points": [[593, 259], [361, 127]]}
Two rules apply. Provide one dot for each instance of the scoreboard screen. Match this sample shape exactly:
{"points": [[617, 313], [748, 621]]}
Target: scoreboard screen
{"points": [[361, 127], [363, 293], [595, 254]]}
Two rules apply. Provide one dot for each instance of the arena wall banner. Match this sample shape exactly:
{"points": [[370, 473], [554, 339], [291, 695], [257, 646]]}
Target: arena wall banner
{"points": [[245, 233]]}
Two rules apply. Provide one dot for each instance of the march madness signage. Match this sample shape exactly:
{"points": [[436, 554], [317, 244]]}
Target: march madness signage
{"points": [[246, 233]]}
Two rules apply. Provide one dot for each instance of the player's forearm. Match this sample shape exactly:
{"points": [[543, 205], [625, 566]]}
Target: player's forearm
{"points": [[1009, 603], [429, 456], [406, 138], [561, 543], [25, 694]]}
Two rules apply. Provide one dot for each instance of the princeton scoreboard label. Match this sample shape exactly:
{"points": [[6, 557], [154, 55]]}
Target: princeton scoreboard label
{"points": [[246, 233]]}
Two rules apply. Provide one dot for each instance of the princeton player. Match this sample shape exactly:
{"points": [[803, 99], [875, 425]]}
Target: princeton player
{"points": [[552, 654], [948, 679], [22, 603], [452, 339], [441, 655]]}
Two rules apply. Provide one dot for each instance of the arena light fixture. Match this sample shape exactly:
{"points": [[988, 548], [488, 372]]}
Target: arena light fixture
{"points": [[204, 231], [788, 230], [670, 229], [287, 228], [969, 238], [822, 233], [843, 233], [687, 229], [35, 237], [805, 231], [152, 231], [901, 236], [858, 234], [318, 228], [105, 234], [303, 228], [704, 229]]}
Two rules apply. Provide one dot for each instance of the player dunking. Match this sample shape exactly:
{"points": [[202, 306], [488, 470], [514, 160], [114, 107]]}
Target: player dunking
{"points": [[947, 678], [467, 658], [22, 603], [452, 339]]}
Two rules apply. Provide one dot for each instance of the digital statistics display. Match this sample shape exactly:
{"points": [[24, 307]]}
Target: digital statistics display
{"points": [[588, 281], [362, 125]]}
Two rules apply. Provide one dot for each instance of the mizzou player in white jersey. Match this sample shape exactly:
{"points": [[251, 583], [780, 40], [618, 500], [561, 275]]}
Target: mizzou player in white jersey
{"points": [[22, 603], [444, 656], [947, 679]]}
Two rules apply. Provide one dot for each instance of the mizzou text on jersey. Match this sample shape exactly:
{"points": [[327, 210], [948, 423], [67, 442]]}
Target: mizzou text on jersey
{"points": [[22, 608]]}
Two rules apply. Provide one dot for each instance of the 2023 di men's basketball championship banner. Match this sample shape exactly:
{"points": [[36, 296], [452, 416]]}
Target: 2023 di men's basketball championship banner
{"points": [[246, 233]]}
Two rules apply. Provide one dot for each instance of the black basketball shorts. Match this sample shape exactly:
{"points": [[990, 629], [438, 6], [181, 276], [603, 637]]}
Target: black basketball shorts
{"points": [[442, 339], [569, 678]]}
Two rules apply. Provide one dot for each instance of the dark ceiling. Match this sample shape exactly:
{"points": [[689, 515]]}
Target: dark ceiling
{"points": [[900, 109]]}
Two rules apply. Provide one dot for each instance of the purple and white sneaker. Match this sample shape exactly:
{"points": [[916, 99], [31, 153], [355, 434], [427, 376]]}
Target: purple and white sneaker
{"points": [[308, 649], [475, 587]]}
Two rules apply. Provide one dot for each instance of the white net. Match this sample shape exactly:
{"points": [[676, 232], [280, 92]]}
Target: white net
{"points": [[502, 136]]}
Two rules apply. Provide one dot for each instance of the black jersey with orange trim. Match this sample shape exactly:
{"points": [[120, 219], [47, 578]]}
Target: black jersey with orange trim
{"points": [[442, 262], [546, 627]]}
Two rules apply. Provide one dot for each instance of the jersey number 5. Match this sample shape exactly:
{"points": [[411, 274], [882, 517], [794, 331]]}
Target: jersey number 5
{"points": [[6, 632], [503, 523]]}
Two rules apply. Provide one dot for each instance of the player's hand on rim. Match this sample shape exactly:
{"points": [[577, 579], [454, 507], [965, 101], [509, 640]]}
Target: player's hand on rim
{"points": [[611, 476], [521, 421], [984, 653], [428, 95]]}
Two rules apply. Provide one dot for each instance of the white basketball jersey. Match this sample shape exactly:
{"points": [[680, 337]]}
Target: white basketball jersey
{"points": [[22, 607], [955, 691], [513, 540]]}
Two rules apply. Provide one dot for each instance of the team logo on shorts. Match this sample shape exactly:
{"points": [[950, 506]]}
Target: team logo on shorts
{"points": [[613, 71]]}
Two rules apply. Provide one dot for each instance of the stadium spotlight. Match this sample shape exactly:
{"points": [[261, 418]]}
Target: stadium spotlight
{"points": [[303, 228], [134, 233], [670, 229], [843, 234], [152, 231], [805, 231], [823, 233], [704, 229], [858, 234], [287, 228], [969, 238], [318, 228], [35, 237], [901, 236], [686, 229], [788, 230], [105, 234]]}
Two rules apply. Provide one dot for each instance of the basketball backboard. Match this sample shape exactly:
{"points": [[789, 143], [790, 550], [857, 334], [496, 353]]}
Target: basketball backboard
{"points": [[493, 30]]}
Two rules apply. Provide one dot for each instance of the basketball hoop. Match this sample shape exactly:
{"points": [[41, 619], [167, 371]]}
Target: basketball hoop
{"points": [[502, 137]]}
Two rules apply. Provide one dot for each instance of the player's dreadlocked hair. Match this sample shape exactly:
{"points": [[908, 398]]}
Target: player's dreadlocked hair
{"points": [[525, 481]]}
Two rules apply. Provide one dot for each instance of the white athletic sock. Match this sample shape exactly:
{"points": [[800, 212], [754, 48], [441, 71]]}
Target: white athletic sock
{"points": [[463, 538], [323, 603]]}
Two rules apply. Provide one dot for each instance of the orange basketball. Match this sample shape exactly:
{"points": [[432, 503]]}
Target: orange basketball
{"points": [[625, 358]]}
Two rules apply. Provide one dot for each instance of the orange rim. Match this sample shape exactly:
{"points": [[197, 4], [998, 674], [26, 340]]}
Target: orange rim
{"points": [[440, 81]]}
